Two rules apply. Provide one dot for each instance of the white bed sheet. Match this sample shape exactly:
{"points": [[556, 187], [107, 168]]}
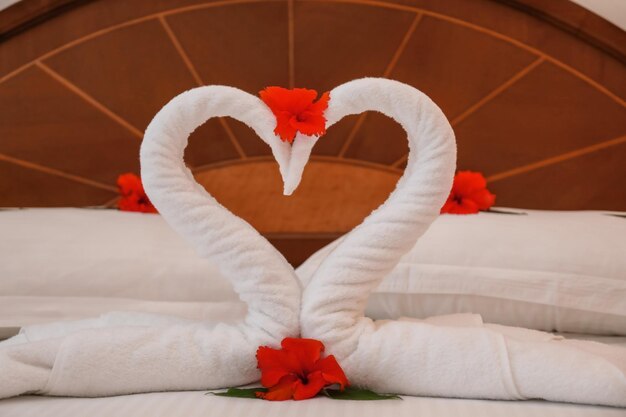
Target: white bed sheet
{"points": [[192, 404]]}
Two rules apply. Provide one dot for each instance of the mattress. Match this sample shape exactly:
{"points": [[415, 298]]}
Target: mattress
{"points": [[196, 403]]}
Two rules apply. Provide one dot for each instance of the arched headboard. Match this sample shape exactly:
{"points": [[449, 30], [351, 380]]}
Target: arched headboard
{"points": [[535, 91]]}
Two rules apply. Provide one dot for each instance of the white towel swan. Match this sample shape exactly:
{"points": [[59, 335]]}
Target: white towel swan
{"points": [[141, 355], [418, 358]]}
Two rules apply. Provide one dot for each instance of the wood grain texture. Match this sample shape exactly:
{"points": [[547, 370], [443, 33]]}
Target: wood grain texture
{"points": [[22, 187], [531, 31], [349, 43], [134, 71], [456, 66], [243, 45], [546, 113], [44, 122], [380, 140], [588, 182]]}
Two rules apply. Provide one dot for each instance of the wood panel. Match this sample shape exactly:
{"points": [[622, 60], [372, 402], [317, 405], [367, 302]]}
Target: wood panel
{"points": [[350, 42], [133, 71], [243, 45], [535, 27], [152, 72], [457, 66], [22, 187], [546, 113], [379, 139], [42, 121], [576, 183]]}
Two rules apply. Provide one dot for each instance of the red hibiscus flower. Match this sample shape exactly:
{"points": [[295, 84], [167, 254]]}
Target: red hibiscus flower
{"points": [[469, 194], [132, 195], [296, 111], [297, 370]]}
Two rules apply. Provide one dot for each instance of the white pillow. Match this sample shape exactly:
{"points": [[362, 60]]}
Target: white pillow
{"points": [[546, 270], [61, 257]]}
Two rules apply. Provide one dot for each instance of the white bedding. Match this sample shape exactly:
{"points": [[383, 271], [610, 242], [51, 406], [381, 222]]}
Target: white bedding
{"points": [[192, 404]]}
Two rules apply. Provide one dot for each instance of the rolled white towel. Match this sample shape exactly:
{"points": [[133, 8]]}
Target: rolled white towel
{"points": [[421, 358], [138, 354]]}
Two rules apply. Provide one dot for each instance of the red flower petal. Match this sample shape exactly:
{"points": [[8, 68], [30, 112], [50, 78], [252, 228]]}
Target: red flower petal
{"points": [[310, 124], [295, 100], [297, 370], [468, 182], [133, 196], [296, 111], [129, 183], [332, 372], [483, 199], [283, 390], [314, 384], [469, 194], [276, 364], [306, 351], [465, 206], [320, 105], [284, 128]]}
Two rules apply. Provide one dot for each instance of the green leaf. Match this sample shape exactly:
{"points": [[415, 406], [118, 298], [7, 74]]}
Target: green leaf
{"points": [[240, 392], [358, 394]]}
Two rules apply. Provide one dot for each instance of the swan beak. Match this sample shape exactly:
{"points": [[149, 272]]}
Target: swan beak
{"points": [[300, 154]]}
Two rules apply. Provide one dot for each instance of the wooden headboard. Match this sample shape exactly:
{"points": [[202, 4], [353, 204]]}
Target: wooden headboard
{"points": [[535, 91]]}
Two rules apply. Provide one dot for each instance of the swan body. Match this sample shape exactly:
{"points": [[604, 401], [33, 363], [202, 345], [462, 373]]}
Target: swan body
{"points": [[466, 360]]}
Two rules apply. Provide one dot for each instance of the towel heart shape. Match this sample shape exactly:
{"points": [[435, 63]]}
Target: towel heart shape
{"points": [[183, 114]]}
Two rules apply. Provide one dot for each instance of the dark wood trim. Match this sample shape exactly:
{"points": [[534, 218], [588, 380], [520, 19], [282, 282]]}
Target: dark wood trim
{"points": [[564, 14], [577, 21], [25, 14]]}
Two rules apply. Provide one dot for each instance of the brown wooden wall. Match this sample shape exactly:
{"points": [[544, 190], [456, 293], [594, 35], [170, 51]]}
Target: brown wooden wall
{"points": [[535, 91]]}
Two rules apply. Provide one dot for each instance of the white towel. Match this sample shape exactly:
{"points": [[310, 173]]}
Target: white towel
{"points": [[421, 358], [136, 353]]}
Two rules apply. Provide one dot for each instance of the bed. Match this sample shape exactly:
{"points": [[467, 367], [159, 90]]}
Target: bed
{"points": [[534, 91]]}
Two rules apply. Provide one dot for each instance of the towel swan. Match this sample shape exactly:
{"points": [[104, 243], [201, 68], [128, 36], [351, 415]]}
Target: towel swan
{"points": [[121, 359], [462, 359]]}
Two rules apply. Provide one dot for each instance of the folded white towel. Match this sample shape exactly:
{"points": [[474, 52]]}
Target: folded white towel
{"points": [[419, 358], [37, 332], [122, 355]]}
